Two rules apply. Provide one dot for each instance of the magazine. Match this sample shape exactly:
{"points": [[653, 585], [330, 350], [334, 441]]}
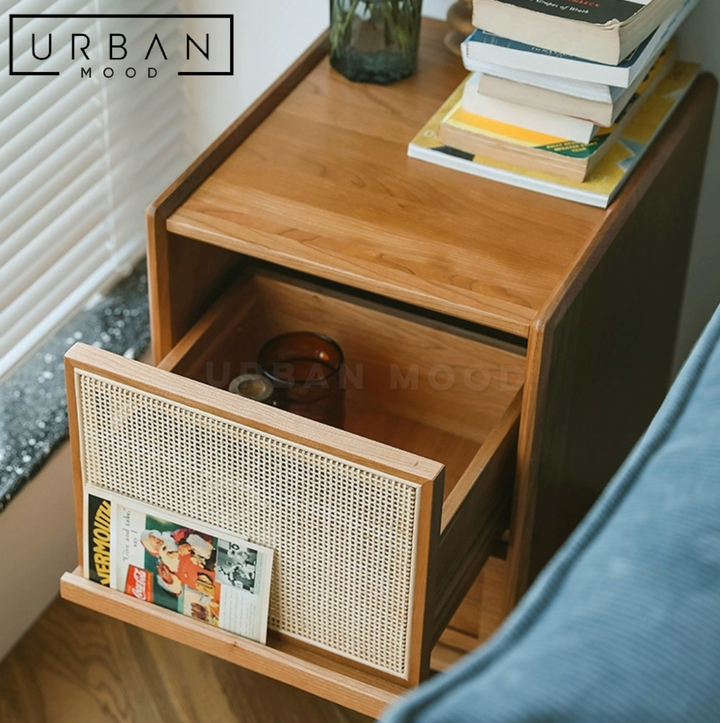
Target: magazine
{"points": [[181, 565]]}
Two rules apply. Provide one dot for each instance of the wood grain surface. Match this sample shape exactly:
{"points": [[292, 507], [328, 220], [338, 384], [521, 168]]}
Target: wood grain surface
{"points": [[79, 666], [478, 617], [177, 302], [282, 659], [474, 516], [438, 374], [336, 442], [325, 186], [340, 444]]}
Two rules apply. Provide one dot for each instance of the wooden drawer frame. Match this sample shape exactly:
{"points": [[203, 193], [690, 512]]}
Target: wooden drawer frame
{"points": [[455, 537]]}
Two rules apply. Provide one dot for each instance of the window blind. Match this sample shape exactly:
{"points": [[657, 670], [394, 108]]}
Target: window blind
{"points": [[80, 157]]}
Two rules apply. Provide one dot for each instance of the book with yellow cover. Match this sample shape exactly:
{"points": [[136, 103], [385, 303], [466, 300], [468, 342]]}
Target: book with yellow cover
{"points": [[519, 145], [608, 176]]}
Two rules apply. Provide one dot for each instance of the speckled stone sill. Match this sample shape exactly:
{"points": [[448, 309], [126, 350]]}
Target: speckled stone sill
{"points": [[33, 404]]}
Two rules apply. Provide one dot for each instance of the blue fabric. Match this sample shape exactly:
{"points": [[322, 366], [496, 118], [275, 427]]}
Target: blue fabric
{"points": [[624, 623]]}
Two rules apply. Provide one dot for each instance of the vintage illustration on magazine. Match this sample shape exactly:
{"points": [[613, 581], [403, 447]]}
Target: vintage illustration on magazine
{"points": [[178, 564]]}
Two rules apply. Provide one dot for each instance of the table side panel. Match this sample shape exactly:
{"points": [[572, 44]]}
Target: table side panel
{"points": [[600, 361]]}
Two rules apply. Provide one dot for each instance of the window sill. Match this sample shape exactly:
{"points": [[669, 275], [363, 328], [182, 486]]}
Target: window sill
{"points": [[33, 404]]}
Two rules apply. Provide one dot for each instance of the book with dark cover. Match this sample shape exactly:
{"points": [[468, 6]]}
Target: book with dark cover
{"points": [[488, 39], [597, 12], [500, 56], [604, 31]]}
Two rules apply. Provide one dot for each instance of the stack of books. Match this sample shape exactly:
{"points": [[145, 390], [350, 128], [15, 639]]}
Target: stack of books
{"points": [[564, 96]]}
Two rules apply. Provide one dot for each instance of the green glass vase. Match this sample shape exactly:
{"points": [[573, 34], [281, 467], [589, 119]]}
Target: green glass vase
{"points": [[375, 41]]}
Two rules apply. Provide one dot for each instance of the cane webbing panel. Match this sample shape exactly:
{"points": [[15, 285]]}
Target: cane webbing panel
{"points": [[344, 536]]}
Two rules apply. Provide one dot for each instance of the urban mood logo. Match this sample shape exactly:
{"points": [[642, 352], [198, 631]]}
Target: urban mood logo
{"points": [[131, 46]]}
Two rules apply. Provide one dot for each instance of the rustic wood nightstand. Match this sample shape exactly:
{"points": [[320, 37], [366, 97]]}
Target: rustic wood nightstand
{"points": [[521, 341]]}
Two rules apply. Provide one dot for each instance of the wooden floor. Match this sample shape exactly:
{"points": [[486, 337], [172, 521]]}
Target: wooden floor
{"points": [[76, 666]]}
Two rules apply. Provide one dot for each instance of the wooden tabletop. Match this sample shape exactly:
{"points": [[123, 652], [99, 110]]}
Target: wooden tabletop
{"points": [[325, 186]]}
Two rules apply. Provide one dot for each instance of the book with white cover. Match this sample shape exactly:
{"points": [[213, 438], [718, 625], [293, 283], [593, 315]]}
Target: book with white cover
{"points": [[534, 119], [577, 88], [524, 63], [602, 111]]}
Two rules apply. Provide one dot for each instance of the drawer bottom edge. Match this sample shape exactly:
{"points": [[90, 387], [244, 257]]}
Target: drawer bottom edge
{"points": [[280, 659]]}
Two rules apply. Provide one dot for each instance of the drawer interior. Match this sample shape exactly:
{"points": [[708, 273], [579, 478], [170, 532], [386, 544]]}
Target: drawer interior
{"points": [[413, 383], [371, 563]]}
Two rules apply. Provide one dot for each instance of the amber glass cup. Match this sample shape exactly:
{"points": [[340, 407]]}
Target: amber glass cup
{"points": [[307, 371]]}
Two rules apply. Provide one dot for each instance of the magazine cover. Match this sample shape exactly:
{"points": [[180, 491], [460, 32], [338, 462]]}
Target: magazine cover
{"points": [[183, 566]]}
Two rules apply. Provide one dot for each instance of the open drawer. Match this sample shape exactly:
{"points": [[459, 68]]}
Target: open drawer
{"points": [[378, 529]]}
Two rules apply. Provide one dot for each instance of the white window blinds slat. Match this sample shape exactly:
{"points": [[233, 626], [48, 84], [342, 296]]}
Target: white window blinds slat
{"points": [[60, 60], [29, 149], [55, 288], [47, 248], [24, 28], [160, 164], [53, 226], [80, 159], [84, 278], [60, 99], [45, 181], [38, 7]]}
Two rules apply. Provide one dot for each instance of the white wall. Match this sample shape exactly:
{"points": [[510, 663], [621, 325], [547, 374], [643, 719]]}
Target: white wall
{"points": [[700, 41], [37, 539], [268, 38]]}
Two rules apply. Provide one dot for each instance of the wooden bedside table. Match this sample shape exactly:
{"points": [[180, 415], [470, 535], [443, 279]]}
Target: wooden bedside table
{"points": [[308, 211]]}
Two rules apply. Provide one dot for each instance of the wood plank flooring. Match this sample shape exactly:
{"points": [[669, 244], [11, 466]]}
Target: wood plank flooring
{"points": [[76, 666]]}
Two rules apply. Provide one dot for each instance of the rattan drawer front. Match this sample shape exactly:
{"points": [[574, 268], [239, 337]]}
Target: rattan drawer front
{"points": [[376, 543], [345, 519], [344, 535]]}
